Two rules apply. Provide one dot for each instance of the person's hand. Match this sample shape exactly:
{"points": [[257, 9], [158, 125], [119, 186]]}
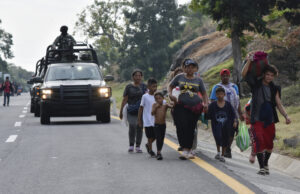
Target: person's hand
{"points": [[173, 99], [205, 107], [235, 124], [287, 120], [121, 115], [242, 117], [236, 132]]}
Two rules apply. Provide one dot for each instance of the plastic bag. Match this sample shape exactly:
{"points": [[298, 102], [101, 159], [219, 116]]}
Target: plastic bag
{"points": [[124, 120], [243, 137]]}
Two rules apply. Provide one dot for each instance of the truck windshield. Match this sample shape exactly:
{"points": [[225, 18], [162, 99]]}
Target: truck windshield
{"points": [[76, 72]]}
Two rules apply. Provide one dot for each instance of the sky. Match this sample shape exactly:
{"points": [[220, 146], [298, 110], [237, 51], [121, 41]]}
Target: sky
{"points": [[35, 24]]}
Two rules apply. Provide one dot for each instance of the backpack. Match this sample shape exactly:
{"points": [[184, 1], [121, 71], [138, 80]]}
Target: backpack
{"points": [[258, 63]]}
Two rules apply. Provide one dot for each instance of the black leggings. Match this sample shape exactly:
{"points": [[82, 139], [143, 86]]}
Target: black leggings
{"points": [[186, 122], [160, 131]]}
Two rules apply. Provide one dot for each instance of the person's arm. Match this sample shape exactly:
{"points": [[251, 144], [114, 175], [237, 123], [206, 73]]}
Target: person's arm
{"points": [[154, 108], [246, 68], [205, 100], [282, 109], [124, 101], [55, 42], [240, 112], [140, 121]]}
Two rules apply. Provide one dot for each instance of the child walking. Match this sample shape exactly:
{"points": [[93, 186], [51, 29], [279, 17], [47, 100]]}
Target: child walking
{"points": [[159, 110], [223, 118], [145, 117]]}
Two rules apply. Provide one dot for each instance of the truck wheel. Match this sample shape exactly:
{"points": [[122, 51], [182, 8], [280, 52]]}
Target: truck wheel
{"points": [[104, 117], [37, 110], [31, 108], [45, 118]]}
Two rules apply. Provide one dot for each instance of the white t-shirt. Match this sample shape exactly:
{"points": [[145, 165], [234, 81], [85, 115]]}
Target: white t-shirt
{"points": [[147, 102]]}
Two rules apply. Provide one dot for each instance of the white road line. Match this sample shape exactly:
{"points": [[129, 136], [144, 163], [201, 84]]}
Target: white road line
{"points": [[24, 111], [22, 116], [11, 139], [25, 108], [18, 124]]}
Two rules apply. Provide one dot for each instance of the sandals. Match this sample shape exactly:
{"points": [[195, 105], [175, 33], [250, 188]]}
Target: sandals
{"points": [[267, 172], [262, 171]]}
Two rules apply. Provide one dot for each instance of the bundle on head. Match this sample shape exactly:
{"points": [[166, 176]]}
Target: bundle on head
{"points": [[259, 60]]}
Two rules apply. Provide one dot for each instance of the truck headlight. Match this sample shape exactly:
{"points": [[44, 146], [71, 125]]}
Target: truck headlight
{"points": [[105, 92], [46, 94]]}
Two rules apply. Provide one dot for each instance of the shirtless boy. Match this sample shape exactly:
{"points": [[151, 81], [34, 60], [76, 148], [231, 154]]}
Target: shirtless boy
{"points": [[159, 111]]}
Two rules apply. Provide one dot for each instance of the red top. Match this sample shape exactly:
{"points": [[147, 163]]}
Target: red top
{"points": [[7, 86]]}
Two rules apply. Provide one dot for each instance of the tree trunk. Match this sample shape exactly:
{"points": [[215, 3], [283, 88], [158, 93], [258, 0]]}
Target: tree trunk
{"points": [[237, 57]]}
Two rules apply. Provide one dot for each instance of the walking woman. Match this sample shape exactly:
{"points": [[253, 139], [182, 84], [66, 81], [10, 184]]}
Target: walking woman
{"points": [[188, 106], [132, 96]]}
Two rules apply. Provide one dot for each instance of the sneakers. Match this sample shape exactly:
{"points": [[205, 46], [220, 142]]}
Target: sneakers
{"points": [[184, 155], [217, 157], [262, 171], [152, 154], [131, 148], [138, 150], [228, 153], [159, 157], [220, 158], [191, 156]]}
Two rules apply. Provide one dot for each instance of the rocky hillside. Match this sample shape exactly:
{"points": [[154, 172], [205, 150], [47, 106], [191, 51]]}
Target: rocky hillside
{"points": [[208, 51]]}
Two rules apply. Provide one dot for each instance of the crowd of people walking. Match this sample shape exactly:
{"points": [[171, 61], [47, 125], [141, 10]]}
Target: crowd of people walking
{"points": [[187, 98]]}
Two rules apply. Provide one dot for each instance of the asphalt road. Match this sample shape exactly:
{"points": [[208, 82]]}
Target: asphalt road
{"points": [[79, 155]]}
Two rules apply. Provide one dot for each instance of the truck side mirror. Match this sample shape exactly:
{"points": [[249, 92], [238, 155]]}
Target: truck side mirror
{"points": [[30, 81], [109, 78], [38, 80]]}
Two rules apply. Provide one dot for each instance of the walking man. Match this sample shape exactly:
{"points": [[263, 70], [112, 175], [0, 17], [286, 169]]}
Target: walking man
{"points": [[232, 96], [265, 99], [7, 89]]}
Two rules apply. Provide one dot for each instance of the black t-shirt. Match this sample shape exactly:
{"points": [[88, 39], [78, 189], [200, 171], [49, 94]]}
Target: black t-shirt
{"points": [[195, 85], [134, 93], [258, 90], [221, 118]]}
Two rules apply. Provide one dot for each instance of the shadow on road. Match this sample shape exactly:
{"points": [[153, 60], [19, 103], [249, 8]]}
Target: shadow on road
{"points": [[77, 123]]}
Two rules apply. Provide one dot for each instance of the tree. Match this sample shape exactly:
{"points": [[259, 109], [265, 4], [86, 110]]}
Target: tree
{"points": [[104, 21], [237, 16], [292, 10], [151, 25], [5, 43]]}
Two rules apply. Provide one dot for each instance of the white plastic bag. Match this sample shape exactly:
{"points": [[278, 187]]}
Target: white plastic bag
{"points": [[176, 92], [125, 120]]}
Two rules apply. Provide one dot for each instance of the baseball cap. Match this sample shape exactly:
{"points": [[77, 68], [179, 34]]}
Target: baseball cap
{"points": [[188, 62], [225, 71]]}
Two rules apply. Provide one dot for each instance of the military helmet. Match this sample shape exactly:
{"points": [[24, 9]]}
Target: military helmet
{"points": [[64, 29]]}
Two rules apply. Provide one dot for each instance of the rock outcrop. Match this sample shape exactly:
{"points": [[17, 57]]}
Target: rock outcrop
{"points": [[208, 51]]}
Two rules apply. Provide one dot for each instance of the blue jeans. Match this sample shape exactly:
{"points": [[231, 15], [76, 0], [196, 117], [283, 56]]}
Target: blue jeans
{"points": [[6, 95]]}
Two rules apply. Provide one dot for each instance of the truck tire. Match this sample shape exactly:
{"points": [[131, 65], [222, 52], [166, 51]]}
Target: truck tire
{"points": [[31, 107], [37, 110], [104, 116], [45, 118]]}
